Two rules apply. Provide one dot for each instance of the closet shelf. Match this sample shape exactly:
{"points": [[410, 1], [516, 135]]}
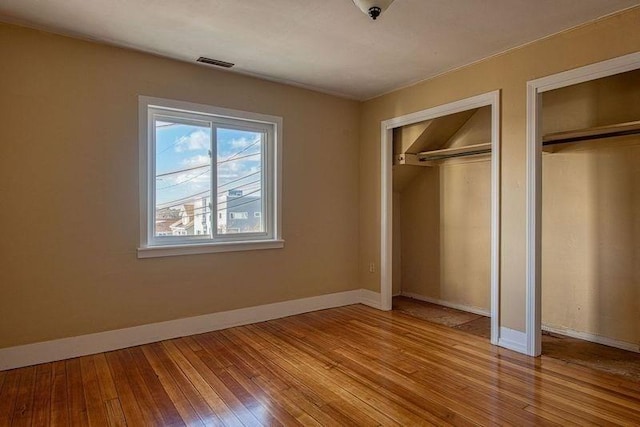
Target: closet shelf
{"points": [[619, 129], [445, 153]]}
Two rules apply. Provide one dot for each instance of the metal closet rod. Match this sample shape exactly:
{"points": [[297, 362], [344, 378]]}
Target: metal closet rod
{"points": [[624, 129], [428, 158]]}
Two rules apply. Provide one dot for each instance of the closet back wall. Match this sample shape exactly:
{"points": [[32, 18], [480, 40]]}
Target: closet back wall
{"points": [[69, 186], [591, 213], [446, 224]]}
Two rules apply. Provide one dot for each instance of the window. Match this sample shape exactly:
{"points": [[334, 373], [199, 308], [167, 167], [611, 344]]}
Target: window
{"points": [[202, 169]]}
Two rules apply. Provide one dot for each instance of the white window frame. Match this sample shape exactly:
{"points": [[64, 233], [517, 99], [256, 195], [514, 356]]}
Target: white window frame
{"points": [[159, 246]]}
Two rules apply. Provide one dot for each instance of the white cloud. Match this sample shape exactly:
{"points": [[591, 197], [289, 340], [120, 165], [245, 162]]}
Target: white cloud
{"points": [[195, 160], [242, 142], [198, 140]]}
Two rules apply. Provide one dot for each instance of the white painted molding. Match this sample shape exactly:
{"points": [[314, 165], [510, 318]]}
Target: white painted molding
{"points": [[535, 88], [386, 193], [513, 340], [470, 309], [371, 298], [599, 339], [65, 348]]}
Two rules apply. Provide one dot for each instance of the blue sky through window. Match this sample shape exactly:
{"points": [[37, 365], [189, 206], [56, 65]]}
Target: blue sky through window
{"points": [[185, 150]]}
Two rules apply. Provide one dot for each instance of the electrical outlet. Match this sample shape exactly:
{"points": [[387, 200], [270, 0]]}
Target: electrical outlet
{"points": [[372, 267]]}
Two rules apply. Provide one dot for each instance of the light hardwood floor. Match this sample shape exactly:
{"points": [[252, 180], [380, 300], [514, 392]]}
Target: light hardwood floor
{"points": [[346, 366]]}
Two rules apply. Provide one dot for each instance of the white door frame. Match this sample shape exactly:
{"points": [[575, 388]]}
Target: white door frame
{"points": [[386, 193], [535, 88]]}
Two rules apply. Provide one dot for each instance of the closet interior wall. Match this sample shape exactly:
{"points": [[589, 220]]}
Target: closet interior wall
{"points": [[442, 221], [591, 213]]}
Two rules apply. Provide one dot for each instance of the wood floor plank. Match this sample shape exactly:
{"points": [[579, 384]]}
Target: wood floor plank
{"points": [[195, 399], [131, 410], [151, 413], [75, 393], [351, 365], [8, 396], [184, 408], [105, 379], [248, 400], [199, 378], [168, 412], [23, 409], [115, 414], [207, 370], [59, 395], [96, 410], [42, 395]]}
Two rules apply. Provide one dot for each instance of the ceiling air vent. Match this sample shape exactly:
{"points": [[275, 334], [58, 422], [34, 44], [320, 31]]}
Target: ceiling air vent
{"points": [[215, 62]]}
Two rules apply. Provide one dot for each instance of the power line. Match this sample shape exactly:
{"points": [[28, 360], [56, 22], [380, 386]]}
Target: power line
{"points": [[182, 201], [244, 149], [210, 211], [245, 203], [183, 170], [185, 181], [238, 179], [239, 197], [240, 186], [219, 186], [204, 166], [237, 158]]}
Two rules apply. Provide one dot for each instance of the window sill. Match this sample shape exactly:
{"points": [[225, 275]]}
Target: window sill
{"points": [[208, 248]]}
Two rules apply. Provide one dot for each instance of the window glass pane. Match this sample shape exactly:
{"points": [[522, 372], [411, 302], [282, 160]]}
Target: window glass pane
{"points": [[240, 186], [183, 178]]}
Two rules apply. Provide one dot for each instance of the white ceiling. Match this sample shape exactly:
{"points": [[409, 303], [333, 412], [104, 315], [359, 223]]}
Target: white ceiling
{"points": [[328, 45]]}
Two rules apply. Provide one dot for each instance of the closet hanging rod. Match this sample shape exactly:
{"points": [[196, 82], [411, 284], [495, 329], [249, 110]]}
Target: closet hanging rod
{"points": [[447, 153], [621, 129], [452, 155]]}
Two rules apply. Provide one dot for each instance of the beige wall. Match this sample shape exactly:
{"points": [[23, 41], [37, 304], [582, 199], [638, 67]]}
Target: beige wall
{"points": [[591, 213], [69, 191], [608, 38]]}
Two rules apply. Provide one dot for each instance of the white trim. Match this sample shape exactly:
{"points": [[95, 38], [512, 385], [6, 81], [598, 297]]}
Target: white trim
{"points": [[534, 177], [468, 308], [370, 298], [269, 126], [513, 340], [386, 152], [386, 218], [599, 339], [65, 348], [210, 248]]}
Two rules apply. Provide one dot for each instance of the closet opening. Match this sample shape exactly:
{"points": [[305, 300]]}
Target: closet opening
{"points": [[443, 208], [586, 268]]}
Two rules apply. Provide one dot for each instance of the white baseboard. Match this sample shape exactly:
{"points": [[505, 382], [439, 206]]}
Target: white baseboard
{"points": [[371, 298], [513, 340], [593, 338], [65, 348], [467, 308]]}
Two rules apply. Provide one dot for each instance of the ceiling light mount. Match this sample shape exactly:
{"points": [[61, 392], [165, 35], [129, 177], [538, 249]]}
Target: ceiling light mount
{"points": [[373, 8]]}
